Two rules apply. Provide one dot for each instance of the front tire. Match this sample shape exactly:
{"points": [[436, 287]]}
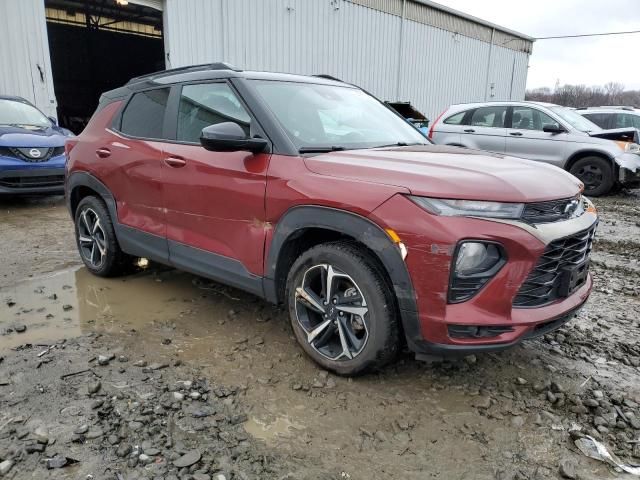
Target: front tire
{"points": [[342, 311], [596, 173], [97, 242]]}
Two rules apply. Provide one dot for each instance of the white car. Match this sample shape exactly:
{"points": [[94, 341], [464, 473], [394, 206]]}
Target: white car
{"points": [[548, 133], [612, 117]]}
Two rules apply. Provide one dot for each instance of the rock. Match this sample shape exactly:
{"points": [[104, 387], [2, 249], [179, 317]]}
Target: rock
{"points": [[20, 328], [598, 394], [517, 421], [35, 448], [5, 467], [188, 459], [591, 402], [521, 381], [636, 450], [556, 387], [140, 363], [195, 395], [93, 434], [482, 402], [201, 476], [94, 387], [123, 450], [96, 404], [105, 359], [158, 366], [144, 459], [151, 451], [219, 476], [166, 341], [134, 426], [123, 359], [471, 359], [42, 435], [81, 430], [67, 307], [178, 397], [567, 469]]}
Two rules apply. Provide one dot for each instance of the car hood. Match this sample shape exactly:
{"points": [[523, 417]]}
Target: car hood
{"points": [[624, 134], [13, 136], [450, 172]]}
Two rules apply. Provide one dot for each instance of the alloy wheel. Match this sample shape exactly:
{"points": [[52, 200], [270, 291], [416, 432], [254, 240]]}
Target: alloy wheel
{"points": [[91, 237], [333, 312]]}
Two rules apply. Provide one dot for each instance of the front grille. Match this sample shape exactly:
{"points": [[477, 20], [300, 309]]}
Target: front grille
{"points": [[32, 181], [550, 211], [560, 271], [25, 153]]}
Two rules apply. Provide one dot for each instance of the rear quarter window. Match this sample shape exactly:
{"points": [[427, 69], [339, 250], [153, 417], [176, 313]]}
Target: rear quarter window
{"points": [[144, 114], [455, 119]]}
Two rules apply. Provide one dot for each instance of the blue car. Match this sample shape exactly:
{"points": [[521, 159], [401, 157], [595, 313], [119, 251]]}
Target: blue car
{"points": [[31, 149]]}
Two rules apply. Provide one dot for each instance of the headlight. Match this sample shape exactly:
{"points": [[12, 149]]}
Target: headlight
{"points": [[469, 208], [629, 147]]}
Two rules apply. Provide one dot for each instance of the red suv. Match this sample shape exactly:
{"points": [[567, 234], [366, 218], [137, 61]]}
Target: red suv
{"points": [[310, 192]]}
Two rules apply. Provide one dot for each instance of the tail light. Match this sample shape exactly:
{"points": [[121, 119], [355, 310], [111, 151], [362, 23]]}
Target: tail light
{"points": [[430, 135]]}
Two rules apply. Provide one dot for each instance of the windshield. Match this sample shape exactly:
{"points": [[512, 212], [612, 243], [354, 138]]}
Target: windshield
{"points": [[13, 112], [575, 120], [334, 118]]}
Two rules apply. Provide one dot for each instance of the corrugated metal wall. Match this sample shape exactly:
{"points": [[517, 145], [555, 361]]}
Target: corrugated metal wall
{"points": [[357, 43], [24, 53]]}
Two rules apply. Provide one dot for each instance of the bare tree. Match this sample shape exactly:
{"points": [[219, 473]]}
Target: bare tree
{"points": [[612, 93]]}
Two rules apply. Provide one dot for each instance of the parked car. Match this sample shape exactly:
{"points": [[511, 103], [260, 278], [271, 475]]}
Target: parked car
{"points": [[312, 193], [612, 116], [31, 149], [548, 133]]}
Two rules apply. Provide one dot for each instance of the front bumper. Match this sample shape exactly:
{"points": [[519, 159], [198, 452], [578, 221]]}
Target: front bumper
{"points": [[629, 169], [431, 241], [46, 180]]}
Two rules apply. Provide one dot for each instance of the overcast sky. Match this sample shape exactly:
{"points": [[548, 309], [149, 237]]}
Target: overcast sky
{"points": [[589, 61]]}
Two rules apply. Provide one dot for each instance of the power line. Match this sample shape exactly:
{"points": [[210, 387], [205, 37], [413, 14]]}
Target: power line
{"points": [[589, 35]]}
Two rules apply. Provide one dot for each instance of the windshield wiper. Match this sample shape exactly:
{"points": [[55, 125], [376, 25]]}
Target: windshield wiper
{"points": [[399, 144], [333, 148]]}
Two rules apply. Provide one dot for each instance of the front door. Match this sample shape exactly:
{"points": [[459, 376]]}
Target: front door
{"points": [[526, 138], [214, 201]]}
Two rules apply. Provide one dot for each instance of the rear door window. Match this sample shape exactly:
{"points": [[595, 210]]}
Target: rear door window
{"points": [[489, 117], [207, 104], [144, 114]]}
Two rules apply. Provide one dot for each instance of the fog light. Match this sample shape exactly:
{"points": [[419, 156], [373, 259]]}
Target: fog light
{"points": [[475, 257], [474, 264]]}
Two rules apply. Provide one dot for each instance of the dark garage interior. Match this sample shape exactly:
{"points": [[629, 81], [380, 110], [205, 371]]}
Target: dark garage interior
{"points": [[98, 45]]}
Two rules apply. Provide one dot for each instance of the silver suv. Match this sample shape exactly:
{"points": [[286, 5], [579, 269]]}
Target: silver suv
{"points": [[548, 133], [612, 117]]}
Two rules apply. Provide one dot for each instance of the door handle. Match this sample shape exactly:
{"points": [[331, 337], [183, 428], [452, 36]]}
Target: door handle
{"points": [[103, 152], [516, 134], [175, 162], [469, 130]]}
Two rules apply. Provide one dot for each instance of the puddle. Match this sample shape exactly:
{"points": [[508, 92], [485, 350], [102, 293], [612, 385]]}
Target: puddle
{"points": [[265, 430], [75, 302]]}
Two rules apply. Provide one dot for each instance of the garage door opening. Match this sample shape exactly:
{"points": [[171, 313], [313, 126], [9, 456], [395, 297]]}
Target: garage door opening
{"points": [[98, 45]]}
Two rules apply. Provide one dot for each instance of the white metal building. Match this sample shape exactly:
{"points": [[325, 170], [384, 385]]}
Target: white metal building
{"points": [[399, 50]]}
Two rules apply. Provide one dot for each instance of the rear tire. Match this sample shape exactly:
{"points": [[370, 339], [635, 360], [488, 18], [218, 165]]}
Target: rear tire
{"points": [[97, 242], [357, 328], [596, 173]]}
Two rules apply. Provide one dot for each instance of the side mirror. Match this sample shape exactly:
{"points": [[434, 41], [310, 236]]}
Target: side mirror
{"points": [[54, 120], [229, 137], [553, 129]]}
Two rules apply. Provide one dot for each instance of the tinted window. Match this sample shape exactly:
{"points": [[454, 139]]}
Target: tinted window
{"points": [[525, 118], [489, 117], [626, 120], [208, 104], [600, 119], [144, 115], [455, 119]]}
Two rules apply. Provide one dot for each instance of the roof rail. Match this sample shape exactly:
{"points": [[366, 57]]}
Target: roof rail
{"points": [[188, 68], [328, 77]]}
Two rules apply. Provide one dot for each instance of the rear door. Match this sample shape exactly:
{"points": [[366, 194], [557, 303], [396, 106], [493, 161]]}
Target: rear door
{"points": [[214, 201], [447, 131], [484, 129], [526, 138]]}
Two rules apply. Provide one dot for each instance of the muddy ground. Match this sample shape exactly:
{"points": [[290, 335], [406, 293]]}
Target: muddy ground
{"points": [[164, 375]]}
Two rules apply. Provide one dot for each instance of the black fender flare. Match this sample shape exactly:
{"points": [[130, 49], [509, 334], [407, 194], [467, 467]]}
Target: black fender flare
{"points": [[364, 231], [85, 179]]}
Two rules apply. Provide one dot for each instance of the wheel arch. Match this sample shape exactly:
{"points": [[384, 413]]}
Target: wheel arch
{"points": [[83, 184], [303, 227], [579, 155]]}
